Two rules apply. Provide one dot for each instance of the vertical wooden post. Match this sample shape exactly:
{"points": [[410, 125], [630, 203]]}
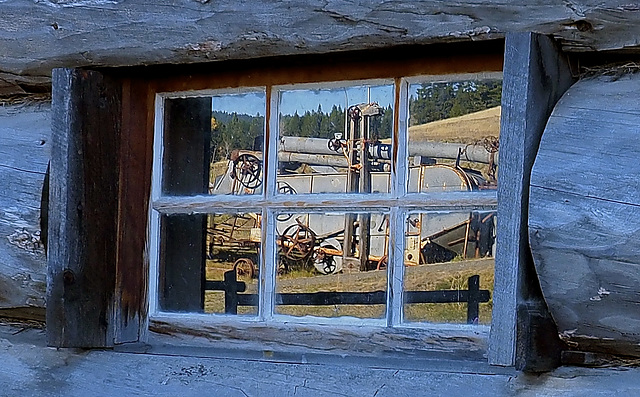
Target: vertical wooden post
{"points": [[230, 292], [473, 299], [536, 74], [186, 171], [83, 207]]}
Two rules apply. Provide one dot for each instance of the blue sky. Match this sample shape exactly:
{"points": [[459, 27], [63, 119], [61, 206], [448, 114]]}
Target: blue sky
{"points": [[304, 100]]}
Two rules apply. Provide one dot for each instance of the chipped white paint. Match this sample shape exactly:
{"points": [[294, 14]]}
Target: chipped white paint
{"points": [[601, 293], [463, 338], [27, 241]]}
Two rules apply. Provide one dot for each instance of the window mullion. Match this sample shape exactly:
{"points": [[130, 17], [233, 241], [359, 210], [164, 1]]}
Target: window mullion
{"points": [[396, 217], [396, 267], [399, 163], [154, 215], [268, 259], [267, 267], [271, 143]]}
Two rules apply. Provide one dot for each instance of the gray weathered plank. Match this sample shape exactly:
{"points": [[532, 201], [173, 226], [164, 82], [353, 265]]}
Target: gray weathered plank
{"points": [[584, 213], [38, 36], [74, 373], [83, 206], [24, 154], [291, 338], [535, 76]]}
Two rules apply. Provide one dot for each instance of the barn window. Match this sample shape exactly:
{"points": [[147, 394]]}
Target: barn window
{"points": [[368, 201], [297, 203]]}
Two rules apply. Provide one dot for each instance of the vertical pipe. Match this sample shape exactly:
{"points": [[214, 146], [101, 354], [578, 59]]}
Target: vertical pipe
{"points": [[364, 243], [351, 187]]}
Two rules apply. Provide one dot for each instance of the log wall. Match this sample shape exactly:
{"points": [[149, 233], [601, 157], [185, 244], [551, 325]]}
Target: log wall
{"points": [[582, 233], [24, 154], [584, 215]]}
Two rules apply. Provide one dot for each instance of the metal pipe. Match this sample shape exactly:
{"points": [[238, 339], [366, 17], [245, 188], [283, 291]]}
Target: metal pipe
{"points": [[475, 153], [318, 146], [308, 158]]}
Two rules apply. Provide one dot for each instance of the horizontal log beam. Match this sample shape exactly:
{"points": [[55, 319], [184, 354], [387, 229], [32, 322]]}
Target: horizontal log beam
{"points": [[123, 33], [584, 215], [24, 154]]}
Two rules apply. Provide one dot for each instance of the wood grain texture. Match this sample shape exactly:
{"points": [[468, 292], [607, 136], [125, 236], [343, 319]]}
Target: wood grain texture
{"points": [[365, 341], [84, 203], [24, 154], [135, 153], [38, 36], [584, 212], [535, 76], [193, 373]]}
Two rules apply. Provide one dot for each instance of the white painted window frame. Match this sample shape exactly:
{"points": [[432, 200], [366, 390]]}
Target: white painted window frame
{"points": [[398, 203]]}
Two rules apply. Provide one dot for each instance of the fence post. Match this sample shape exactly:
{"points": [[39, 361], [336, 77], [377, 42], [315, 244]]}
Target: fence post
{"points": [[230, 292], [473, 300]]}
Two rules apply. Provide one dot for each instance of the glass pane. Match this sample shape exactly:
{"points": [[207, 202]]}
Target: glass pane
{"points": [[209, 263], [446, 255], [214, 144], [454, 128], [335, 140], [332, 264]]}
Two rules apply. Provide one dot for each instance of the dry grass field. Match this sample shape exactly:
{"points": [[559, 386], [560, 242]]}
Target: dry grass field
{"points": [[469, 128]]}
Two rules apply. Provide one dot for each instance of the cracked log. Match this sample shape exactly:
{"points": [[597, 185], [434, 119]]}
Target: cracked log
{"points": [[36, 36], [24, 154], [584, 215]]}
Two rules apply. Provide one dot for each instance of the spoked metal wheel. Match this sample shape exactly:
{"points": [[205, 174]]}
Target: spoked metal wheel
{"points": [[245, 268], [247, 169], [296, 244], [284, 188]]}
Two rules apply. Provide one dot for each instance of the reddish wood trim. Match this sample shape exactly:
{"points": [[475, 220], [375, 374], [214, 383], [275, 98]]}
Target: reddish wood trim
{"points": [[426, 60], [135, 152]]}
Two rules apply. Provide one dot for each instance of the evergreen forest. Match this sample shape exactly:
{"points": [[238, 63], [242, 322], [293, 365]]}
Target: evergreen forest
{"points": [[432, 101]]}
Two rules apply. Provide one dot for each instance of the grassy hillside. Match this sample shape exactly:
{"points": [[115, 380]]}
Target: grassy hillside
{"points": [[469, 128]]}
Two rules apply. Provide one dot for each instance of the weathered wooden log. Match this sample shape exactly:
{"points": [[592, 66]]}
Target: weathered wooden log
{"points": [[24, 154], [121, 33], [584, 215]]}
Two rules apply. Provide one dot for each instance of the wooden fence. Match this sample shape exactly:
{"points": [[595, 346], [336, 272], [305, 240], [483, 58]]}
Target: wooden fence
{"points": [[233, 297]]}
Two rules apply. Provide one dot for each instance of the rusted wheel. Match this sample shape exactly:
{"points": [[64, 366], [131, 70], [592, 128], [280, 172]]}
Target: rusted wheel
{"points": [[297, 242], [354, 112], [326, 259], [284, 188], [247, 169], [245, 268]]}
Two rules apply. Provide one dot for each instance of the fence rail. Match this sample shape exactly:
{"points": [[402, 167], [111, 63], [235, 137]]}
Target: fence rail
{"points": [[233, 297]]}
